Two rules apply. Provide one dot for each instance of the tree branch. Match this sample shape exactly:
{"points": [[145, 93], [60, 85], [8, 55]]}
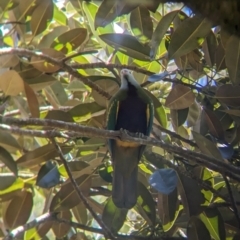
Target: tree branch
{"points": [[107, 232], [61, 63], [234, 206], [36, 222], [207, 161]]}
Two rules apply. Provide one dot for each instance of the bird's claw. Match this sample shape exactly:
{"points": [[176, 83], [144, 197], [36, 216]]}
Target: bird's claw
{"points": [[139, 134]]}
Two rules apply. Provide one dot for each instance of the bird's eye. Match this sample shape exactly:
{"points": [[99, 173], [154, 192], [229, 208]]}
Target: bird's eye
{"points": [[124, 71]]}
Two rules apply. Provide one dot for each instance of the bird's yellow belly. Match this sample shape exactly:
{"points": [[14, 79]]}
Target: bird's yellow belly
{"points": [[127, 144]]}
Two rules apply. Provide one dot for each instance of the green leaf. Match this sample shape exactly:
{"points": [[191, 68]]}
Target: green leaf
{"points": [[59, 16], [40, 155], [146, 204], [127, 44], [205, 175], [59, 115], [141, 24], [168, 208], [180, 97], [206, 146], [188, 36], [56, 94], [229, 95], [67, 198], [233, 59], [160, 31], [214, 124], [212, 219], [41, 17], [8, 142], [80, 213], [6, 181], [193, 114], [159, 111], [106, 13], [48, 39], [113, 217], [105, 172], [19, 210], [90, 10], [7, 159], [70, 40], [178, 117], [61, 229], [196, 230], [209, 48], [85, 111], [191, 195], [18, 184]]}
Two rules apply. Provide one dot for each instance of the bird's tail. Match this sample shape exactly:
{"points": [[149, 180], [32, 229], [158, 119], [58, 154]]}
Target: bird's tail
{"points": [[125, 177], [124, 190]]}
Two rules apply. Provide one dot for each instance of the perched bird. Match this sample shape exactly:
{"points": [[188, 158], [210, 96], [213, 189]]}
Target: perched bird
{"points": [[129, 109]]}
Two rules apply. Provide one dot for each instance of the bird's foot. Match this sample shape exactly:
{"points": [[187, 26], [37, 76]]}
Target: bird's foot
{"points": [[139, 135], [123, 130]]}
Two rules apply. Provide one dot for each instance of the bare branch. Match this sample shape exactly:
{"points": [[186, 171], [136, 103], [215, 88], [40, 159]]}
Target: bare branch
{"points": [[36, 222], [82, 198]]}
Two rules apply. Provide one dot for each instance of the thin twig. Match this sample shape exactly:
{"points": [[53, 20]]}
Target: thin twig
{"points": [[175, 135], [107, 232], [234, 206], [119, 236], [110, 66]]}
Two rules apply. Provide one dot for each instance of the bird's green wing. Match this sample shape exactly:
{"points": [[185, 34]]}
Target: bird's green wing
{"points": [[112, 112], [149, 113]]}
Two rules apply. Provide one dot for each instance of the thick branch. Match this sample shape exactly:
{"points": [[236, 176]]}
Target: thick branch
{"points": [[36, 222], [207, 161]]}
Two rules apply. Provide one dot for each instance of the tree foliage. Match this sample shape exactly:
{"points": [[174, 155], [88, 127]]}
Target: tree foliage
{"points": [[59, 66]]}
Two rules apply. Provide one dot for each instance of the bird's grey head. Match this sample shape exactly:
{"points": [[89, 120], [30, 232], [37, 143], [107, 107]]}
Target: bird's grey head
{"points": [[127, 78]]}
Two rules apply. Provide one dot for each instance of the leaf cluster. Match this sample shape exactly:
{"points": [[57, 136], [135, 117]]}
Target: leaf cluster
{"points": [[65, 67]]}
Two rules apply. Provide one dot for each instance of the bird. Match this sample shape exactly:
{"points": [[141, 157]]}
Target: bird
{"points": [[130, 109]]}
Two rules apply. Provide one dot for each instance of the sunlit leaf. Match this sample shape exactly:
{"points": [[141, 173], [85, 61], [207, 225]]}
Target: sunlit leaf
{"points": [[70, 40], [214, 223], [141, 23], [113, 217], [41, 17], [127, 44], [160, 30]]}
